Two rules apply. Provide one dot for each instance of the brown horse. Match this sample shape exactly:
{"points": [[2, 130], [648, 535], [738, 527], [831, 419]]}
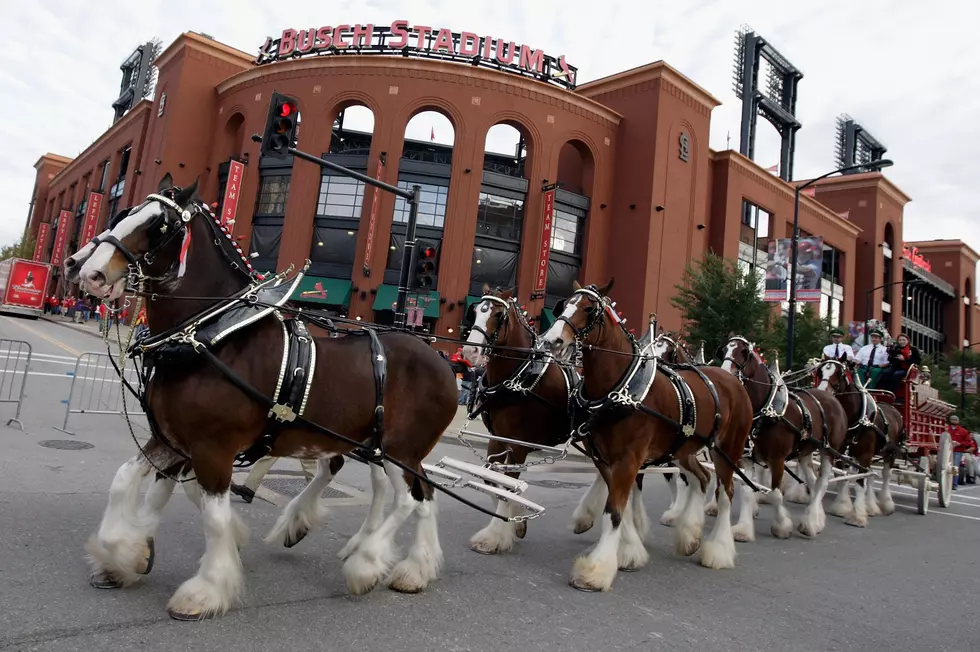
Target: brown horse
{"points": [[209, 405], [874, 427], [633, 413], [788, 425], [520, 397]]}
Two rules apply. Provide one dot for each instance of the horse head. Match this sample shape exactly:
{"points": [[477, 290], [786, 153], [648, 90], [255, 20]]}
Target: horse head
{"points": [[739, 357], [147, 238], [584, 316], [492, 318], [665, 347], [834, 375]]}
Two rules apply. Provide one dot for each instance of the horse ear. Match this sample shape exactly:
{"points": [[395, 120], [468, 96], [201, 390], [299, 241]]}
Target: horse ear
{"points": [[485, 289], [576, 285], [166, 183], [187, 194], [604, 290], [506, 294], [731, 334]]}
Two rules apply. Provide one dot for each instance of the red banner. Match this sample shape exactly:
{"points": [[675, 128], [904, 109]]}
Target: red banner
{"points": [[374, 216], [541, 276], [61, 238], [26, 284], [40, 247], [229, 204], [92, 210]]}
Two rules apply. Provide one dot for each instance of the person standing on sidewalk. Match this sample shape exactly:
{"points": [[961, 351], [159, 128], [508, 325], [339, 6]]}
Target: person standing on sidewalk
{"points": [[962, 443]]}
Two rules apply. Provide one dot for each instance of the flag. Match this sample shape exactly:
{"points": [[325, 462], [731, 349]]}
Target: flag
{"points": [[432, 134], [773, 168]]}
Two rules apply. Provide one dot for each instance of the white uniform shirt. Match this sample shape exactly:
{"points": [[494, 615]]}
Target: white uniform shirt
{"points": [[836, 350], [881, 355]]}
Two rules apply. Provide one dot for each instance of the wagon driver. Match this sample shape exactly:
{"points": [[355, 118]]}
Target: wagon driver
{"points": [[872, 360], [837, 350]]}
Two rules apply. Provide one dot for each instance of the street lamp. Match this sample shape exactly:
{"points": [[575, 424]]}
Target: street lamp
{"points": [[791, 321], [869, 293]]}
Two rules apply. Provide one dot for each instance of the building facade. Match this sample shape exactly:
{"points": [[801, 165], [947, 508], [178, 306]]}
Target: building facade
{"points": [[612, 178]]}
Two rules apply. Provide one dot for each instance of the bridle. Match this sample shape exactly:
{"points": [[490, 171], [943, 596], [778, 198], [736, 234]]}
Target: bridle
{"points": [[844, 375], [492, 337], [740, 366], [595, 316]]}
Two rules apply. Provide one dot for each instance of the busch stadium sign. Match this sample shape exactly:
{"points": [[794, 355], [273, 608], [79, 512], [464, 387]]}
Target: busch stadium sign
{"points": [[419, 41]]}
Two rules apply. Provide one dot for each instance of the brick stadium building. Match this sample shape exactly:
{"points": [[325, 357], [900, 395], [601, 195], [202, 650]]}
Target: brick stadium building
{"points": [[639, 191]]}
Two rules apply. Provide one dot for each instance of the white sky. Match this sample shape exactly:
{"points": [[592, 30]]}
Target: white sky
{"points": [[902, 68]]}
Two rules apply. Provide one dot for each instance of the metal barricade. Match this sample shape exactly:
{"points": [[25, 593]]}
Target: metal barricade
{"points": [[96, 389], [16, 361]]}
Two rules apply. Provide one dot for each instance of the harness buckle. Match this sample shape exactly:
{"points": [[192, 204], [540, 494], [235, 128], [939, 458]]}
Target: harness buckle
{"points": [[282, 413]]}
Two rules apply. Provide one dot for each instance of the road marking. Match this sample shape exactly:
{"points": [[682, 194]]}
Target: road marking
{"points": [[44, 337]]}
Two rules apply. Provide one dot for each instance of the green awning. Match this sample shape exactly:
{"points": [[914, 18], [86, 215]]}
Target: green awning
{"points": [[470, 300], [547, 319], [388, 294], [317, 289]]}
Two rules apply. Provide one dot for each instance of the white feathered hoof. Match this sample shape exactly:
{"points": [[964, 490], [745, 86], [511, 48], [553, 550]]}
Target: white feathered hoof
{"points": [[782, 529], [688, 540], [117, 564], [589, 576], [632, 556], [582, 525], [365, 568], [798, 493], [521, 530], [857, 522], [198, 599], [743, 532], [888, 507], [872, 507], [669, 518], [718, 554], [494, 539], [840, 508], [412, 575], [711, 509]]}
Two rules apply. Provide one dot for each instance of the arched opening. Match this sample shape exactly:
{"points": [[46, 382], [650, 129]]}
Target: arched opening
{"points": [[339, 208], [576, 168], [233, 138], [500, 212], [426, 161]]}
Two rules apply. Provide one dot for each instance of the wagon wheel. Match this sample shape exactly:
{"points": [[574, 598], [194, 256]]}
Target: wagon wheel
{"points": [[945, 470], [924, 486]]}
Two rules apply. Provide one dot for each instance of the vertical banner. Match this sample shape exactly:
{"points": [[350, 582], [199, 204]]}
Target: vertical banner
{"points": [[809, 267], [369, 246], [92, 211], [229, 203], [541, 275], [61, 238], [40, 247]]}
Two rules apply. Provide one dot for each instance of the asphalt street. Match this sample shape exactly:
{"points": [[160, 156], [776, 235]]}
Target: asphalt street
{"points": [[907, 582]]}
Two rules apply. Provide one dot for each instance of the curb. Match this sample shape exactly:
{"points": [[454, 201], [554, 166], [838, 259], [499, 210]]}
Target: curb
{"points": [[73, 326]]}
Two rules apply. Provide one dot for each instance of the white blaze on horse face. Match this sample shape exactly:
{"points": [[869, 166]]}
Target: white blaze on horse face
{"points": [[660, 348], [98, 261], [826, 373], [483, 311], [555, 334], [79, 258], [728, 365]]}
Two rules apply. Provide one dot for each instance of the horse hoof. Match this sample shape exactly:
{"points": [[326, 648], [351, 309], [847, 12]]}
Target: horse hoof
{"points": [[582, 527], [627, 569], [188, 617], [521, 530], [150, 556], [292, 541], [483, 552], [584, 588], [104, 581], [854, 523]]}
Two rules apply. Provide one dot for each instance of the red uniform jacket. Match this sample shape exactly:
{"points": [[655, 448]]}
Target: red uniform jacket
{"points": [[962, 441]]}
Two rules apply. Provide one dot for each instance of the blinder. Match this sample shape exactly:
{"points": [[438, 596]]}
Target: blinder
{"points": [[594, 312], [491, 338]]}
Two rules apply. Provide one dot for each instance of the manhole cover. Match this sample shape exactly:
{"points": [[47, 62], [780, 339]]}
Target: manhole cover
{"points": [[292, 487], [66, 444], [558, 484]]}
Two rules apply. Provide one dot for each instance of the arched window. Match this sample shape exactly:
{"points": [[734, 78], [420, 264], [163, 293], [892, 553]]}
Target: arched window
{"points": [[576, 167]]}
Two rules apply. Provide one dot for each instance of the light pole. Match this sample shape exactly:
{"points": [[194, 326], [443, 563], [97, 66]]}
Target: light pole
{"points": [[870, 293], [791, 320]]}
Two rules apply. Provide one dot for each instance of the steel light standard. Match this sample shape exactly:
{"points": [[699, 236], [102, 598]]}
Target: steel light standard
{"points": [[791, 320]]}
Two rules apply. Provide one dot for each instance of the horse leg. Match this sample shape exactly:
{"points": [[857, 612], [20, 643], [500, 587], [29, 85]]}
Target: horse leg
{"points": [[424, 559], [870, 499], [121, 550], [843, 506], [782, 524], [590, 505], [220, 579], [678, 491], [814, 518], [744, 530], [718, 550], [691, 521], [305, 512], [376, 554], [596, 570], [802, 492], [376, 512], [859, 517], [641, 521], [711, 508], [764, 476], [240, 531], [499, 535], [632, 554], [885, 496]]}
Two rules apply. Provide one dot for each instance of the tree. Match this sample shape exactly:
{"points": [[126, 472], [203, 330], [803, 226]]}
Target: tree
{"points": [[717, 297], [939, 369], [23, 248], [808, 341]]}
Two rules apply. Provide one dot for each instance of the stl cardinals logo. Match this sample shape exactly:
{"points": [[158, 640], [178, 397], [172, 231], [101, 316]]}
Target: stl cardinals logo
{"points": [[316, 293]]}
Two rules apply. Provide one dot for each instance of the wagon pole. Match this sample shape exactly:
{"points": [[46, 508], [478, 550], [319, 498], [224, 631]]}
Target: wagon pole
{"points": [[791, 318]]}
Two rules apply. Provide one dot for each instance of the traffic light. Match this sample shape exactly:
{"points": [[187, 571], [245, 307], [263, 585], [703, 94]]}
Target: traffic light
{"points": [[280, 126], [425, 267]]}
